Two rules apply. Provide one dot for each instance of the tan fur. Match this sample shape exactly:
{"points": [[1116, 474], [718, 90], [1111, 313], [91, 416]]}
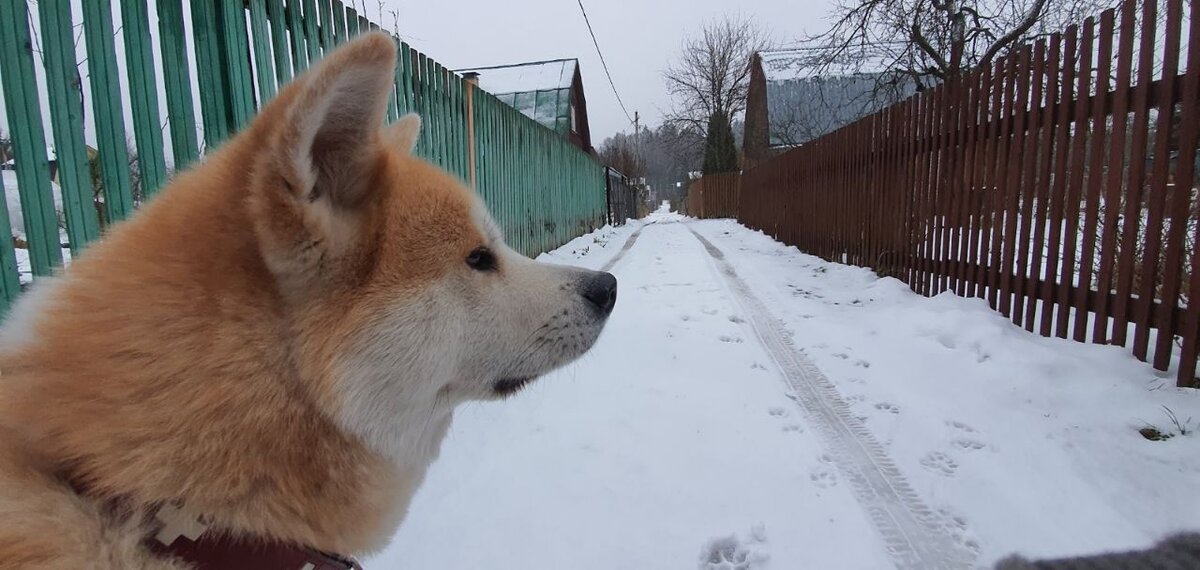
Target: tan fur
{"points": [[197, 353]]}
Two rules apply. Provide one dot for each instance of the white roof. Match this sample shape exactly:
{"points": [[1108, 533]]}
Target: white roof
{"points": [[803, 63], [525, 77]]}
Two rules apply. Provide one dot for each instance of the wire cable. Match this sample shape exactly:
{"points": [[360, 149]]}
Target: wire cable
{"points": [[602, 62]]}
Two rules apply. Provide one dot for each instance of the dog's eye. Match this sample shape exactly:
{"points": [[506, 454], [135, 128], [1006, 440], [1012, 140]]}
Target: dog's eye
{"points": [[482, 259]]}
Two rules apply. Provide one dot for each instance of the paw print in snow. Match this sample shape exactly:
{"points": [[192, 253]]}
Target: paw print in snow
{"points": [[736, 319], [939, 463], [793, 428], [969, 444], [730, 339], [886, 407], [757, 366], [777, 412], [961, 426], [732, 553], [823, 477]]}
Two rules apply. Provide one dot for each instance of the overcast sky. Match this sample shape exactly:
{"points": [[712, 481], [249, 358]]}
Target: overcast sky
{"points": [[638, 37]]}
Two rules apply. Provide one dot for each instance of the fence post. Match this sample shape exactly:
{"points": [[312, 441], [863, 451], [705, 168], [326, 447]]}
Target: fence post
{"points": [[608, 194], [472, 80]]}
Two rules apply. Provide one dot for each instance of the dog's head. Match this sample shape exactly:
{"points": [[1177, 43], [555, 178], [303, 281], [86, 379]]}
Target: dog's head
{"points": [[402, 297]]}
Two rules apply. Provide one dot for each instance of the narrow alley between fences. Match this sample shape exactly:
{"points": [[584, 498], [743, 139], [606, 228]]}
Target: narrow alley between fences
{"points": [[750, 406]]}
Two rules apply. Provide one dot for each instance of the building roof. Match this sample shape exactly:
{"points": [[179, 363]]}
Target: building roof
{"points": [[541, 89], [803, 63], [810, 99]]}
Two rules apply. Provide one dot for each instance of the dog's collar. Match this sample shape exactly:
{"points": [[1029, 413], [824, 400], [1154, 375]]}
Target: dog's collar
{"points": [[188, 539]]}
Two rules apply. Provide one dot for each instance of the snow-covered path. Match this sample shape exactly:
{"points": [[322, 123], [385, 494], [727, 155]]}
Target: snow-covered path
{"points": [[930, 432]]}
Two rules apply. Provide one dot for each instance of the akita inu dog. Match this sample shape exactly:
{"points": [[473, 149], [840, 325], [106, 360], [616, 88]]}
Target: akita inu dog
{"points": [[265, 358]]}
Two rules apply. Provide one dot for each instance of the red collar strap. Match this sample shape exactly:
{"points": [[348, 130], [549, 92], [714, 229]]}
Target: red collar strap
{"points": [[184, 537], [225, 553]]}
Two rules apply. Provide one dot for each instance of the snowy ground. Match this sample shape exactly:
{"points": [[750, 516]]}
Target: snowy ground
{"points": [[751, 403]]}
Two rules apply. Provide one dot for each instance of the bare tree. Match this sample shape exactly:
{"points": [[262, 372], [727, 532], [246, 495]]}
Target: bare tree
{"points": [[712, 72], [928, 41], [620, 153]]}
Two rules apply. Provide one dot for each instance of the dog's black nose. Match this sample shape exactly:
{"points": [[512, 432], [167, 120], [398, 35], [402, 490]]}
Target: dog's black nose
{"points": [[600, 290]]}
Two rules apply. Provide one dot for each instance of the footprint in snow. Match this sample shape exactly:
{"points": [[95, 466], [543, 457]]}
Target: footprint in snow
{"points": [[733, 553], [793, 428], [736, 319], [968, 444], [823, 477], [862, 364], [730, 339], [961, 426], [886, 407], [956, 526], [708, 311], [757, 366], [939, 463], [777, 412]]}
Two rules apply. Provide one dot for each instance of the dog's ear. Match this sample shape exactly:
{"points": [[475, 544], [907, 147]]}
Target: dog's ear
{"points": [[313, 187], [404, 132], [332, 124]]}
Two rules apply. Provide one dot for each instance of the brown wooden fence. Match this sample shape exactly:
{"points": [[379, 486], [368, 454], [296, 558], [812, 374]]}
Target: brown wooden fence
{"points": [[1058, 183], [714, 196]]}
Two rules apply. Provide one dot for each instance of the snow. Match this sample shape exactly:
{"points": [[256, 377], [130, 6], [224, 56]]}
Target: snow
{"points": [[807, 63], [525, 77], [12, 197], [684, 441]]}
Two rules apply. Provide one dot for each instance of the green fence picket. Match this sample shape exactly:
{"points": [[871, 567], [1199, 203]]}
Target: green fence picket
{"points": [[279, 41], [295, 20], [311, 37], [351, 22], [107, 113], [214, 108], [263, 60], [177, 82], [235, 63], [66, 119], [143, 94]]}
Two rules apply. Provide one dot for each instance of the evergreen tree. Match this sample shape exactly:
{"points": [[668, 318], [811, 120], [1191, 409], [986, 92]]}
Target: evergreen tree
{"points": [[720, 151]]}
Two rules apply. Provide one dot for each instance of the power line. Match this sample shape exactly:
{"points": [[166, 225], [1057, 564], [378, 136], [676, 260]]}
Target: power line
{"points": [[602, 62]]}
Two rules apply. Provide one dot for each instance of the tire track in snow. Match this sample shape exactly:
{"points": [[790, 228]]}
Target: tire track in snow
{"points": [[914, 535], [632, 239]]}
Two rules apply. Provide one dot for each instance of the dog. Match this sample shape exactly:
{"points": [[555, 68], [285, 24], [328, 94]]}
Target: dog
{"points": [[266, 356]]}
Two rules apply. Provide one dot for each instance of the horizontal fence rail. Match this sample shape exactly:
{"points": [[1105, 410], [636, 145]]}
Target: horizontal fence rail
{"points": [[190, 75], [1057, 183]]}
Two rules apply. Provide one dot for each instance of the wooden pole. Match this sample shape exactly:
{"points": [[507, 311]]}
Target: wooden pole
{"points": [[472, 82]]}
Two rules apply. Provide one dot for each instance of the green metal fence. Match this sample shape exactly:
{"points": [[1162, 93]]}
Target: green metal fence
{"points": [[541, 189]]}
